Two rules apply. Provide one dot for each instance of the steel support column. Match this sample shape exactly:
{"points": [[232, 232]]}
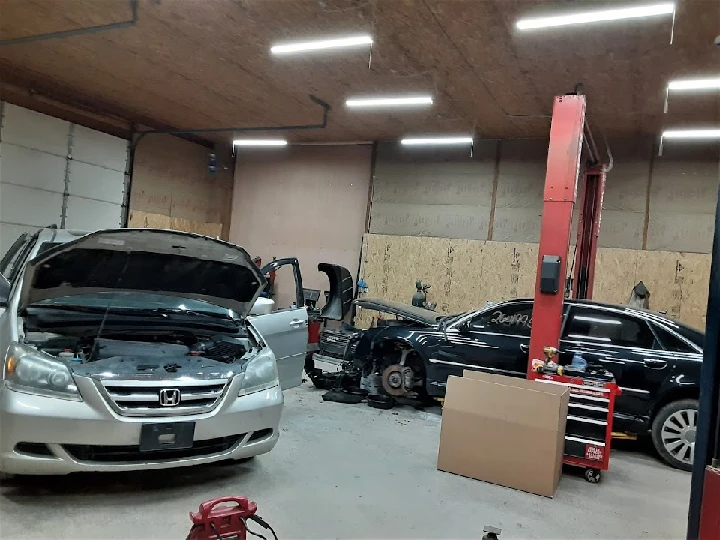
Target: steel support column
{"points": [[563, 166], [588, 232], [703, 520]]}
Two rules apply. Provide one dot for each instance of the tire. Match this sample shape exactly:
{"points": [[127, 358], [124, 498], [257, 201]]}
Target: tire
{"points": [[673, 433]]}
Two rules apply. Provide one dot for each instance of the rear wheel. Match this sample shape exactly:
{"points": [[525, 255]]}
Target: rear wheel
{"points": [[673, 433]]}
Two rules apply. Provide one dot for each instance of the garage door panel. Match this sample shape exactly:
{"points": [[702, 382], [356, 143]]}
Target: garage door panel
{"points": [[90, 146], [28, 206], [90, 215], [32, 168], [93, 182], [31, 129]]}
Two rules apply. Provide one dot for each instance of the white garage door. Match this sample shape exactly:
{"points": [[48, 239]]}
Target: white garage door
{"points": [[55, 172]]}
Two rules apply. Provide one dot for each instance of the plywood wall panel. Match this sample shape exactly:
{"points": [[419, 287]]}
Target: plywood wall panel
{"points": [[171, 177], [465, 274], [140, 219]]}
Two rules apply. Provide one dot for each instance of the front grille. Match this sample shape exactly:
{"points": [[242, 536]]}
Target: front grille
{"points": [[142, 398], [261, 434], [334, 342], [132, 454], [33, 449]]}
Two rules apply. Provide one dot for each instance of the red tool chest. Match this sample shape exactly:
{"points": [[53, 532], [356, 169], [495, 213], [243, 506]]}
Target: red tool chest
{"points": [[588, 432]]}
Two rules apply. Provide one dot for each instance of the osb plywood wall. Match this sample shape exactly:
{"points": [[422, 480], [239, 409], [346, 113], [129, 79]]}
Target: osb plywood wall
{"points": [[145, 220], [464, 274], [171, 178]]}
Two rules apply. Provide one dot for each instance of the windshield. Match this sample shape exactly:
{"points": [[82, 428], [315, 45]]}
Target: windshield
{"points": [[136, 300]]}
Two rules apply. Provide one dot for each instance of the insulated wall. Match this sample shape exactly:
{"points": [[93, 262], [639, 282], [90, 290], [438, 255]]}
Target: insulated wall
{"points": [[57, 172], [651, 202], [308, 202]]}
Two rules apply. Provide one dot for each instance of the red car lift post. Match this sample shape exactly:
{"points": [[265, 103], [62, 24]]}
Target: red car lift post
{"points": [[568, 133], [563, 166]]}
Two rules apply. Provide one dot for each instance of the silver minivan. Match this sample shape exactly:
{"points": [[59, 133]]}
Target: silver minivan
{"points": [[133, 349]]}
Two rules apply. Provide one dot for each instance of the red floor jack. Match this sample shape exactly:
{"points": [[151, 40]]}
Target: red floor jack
{"points": [[215, 519]]}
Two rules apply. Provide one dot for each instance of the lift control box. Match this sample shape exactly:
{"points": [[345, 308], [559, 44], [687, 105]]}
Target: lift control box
{"points": [[550, 274]]}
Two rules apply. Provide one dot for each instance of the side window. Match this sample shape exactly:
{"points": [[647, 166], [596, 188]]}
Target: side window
{"points": [[671, 342], [512, 319], [10, 260], [602, 327]]}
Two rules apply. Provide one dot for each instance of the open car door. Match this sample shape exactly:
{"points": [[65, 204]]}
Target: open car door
{"points": [[285, 330]]}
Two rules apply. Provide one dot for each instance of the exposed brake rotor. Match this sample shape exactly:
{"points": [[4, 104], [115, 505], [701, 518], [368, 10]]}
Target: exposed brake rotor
{"points": [[397, 379]]}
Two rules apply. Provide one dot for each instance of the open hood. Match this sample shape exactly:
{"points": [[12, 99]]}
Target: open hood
{"points": [[341, 291], [406, 311], [154, 261]]}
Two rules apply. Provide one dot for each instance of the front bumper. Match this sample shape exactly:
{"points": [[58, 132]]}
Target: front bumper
{"points": [[42, 435]]}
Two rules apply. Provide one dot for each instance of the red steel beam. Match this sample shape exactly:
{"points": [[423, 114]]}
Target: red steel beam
{"points": [[588, 232], [563, 166]]}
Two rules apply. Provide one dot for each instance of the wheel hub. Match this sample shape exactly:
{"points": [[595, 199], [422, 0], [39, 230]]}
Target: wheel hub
{"points": [[679, 433], [397, 379]]}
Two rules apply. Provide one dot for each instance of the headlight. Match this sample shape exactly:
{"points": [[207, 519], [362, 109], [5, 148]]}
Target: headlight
{"points": [[261, 373], [34, 372]]}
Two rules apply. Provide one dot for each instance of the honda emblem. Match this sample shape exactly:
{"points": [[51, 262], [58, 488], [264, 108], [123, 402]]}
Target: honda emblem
{"points": [[169, 397]]}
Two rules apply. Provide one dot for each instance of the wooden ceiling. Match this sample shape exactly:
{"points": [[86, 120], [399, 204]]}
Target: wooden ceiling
{"points": [[206, 64]]}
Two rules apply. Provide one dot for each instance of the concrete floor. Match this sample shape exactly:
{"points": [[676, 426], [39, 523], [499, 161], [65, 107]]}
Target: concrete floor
{"points": [[348, 471]]}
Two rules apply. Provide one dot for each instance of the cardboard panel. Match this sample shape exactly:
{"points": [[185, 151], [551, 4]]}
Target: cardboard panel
{"points": [[519, 415]]}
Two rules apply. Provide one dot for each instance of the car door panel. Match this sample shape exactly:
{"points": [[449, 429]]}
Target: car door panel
{"points": [[286, 333], [493, 341], [624, 345]]}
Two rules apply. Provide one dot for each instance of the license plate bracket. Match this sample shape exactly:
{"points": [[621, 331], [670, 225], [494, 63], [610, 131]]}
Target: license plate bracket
{"points": [[167, 436]]}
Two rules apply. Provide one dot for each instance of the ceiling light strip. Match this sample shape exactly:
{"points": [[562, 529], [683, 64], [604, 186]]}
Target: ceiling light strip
{"points": [[303, 46], [362, 103], [695, 84], [589, 17], [436, 141], [260, 142], [689, 134]]}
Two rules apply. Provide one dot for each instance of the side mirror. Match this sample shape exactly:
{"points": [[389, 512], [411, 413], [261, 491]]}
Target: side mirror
{"points": [[464, 326], [4, 291]]}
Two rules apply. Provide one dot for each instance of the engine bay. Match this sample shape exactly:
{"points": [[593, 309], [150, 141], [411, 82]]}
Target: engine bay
{"points": [[147, 352]]}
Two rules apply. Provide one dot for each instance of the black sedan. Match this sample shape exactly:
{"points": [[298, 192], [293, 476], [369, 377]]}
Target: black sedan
{"points": [[655, 360]]}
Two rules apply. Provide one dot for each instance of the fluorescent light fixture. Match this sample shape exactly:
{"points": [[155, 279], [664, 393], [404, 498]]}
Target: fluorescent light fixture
{"points": [[712, 133], [436, 141], [301, 46], [260, 142], [367, 103], [588, 17], [695, 84]]}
